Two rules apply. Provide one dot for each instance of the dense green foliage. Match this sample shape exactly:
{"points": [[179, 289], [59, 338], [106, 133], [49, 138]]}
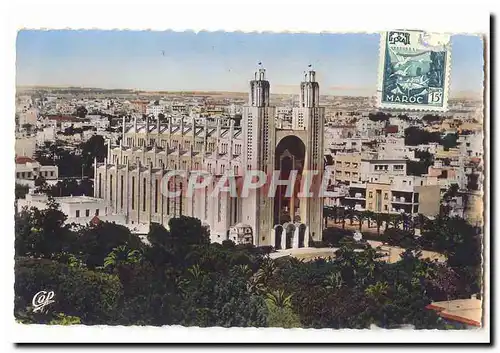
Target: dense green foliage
{"points": [[103, 274], [70, 163]]}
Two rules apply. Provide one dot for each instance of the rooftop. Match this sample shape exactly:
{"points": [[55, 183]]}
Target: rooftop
{"points": [[78, 199], [24, 160], [466, 311]]}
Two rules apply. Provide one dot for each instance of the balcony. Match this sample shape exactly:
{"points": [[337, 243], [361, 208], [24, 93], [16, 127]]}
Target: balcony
{"points": [[357, 185], [356, 197]]}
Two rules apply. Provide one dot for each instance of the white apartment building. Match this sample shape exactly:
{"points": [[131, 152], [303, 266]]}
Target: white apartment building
{"points": [[368, 128], [78, 209], [46, 134], [28, 116], [27, 170], [395, 148], [155, 110], [471, 145], [25, 146]]}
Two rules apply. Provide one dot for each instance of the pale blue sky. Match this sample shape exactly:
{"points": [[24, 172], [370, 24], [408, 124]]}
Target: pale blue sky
{"points": [[346, 64]]}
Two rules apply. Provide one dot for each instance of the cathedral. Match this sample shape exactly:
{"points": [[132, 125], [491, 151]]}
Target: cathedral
{"points": [[130, 179]]}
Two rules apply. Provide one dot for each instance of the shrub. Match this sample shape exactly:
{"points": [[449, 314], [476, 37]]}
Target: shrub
{"points": [[333, 236], [92, 296], [398, 237]]}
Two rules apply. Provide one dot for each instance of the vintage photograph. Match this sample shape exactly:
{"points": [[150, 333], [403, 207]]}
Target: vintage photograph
{"points": [[268, 180]]}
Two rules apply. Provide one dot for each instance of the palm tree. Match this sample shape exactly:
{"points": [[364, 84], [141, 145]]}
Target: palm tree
{"points": [[120, 256], [361, 216], [377, 291], [279, 299], [120, 259], [326, 214], [242, 270], [379, 220], [350, 215], [196, 272], [343, 216], [258, 282], [333, 280], [370, 215], [335, 214]]}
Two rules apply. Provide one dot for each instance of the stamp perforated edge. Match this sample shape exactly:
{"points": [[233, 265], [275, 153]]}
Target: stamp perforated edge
{"points": [[411, 107]]}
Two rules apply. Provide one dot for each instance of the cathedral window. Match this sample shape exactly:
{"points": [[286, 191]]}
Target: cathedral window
{"points": [[121, 191], [144, 194], [180, 200], [156, 195], [111, 187], [133, 192], [100, 186]]}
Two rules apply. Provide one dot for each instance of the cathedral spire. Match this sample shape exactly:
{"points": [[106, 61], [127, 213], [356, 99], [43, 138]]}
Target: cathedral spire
{"points": [[259, 88], [309, 89]]}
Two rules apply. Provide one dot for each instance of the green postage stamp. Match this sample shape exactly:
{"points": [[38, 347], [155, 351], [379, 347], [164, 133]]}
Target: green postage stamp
{"points": [[414, 70]]}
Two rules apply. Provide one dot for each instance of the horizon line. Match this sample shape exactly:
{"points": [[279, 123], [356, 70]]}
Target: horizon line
{"points": [[460, 94]]}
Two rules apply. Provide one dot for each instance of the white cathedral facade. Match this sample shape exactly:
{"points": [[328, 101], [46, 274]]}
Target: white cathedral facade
{"points": [[130, 179]]}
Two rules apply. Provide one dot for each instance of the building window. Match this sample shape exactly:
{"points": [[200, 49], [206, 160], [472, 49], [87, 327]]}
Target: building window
{"points": [[133, 192], [111, 187], [144, 194], [97, 212], [180, 200], [168, 199], [77, 213], [87, 213], [386, 196], [156, 195], [121, 191], [370, 194], [385, 208], [100, 189]]}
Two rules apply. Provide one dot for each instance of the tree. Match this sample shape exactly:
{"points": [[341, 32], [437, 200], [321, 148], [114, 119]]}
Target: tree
{"points": [[379, 221], [96, 242], [94, 147], [81, 112], [430, 118], [415, 136], [399, 237], [361, 216], [450, 141], [451, 193], [92, 297], [186, 232], [42, 233], [21, 191], [370, 216], [280, 313]]}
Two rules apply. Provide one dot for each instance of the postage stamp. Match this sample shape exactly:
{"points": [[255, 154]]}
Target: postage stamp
{"points": [[414, 70]]}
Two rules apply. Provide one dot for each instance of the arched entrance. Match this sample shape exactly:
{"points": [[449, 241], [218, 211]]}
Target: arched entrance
{"points": [[302, 234], [289, 233], [278, 231], [289, 155]]}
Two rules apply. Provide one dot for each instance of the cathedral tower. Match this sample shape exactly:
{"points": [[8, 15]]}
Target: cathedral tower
{"points": [[258, 123]]}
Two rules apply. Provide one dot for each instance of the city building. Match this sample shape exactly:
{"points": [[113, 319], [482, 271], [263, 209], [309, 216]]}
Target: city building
{"points": [[78, 209], [28, 170]]}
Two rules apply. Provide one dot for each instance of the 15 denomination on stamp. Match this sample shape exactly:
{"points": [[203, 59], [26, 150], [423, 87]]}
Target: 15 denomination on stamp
{"points": [[414, 70]]}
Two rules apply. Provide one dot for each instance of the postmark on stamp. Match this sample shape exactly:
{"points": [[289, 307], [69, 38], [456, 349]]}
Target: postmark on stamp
{"points": [[414, 70]]}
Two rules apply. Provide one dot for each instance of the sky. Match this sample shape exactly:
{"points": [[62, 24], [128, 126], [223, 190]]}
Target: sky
{"points": [[345, 64]]}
